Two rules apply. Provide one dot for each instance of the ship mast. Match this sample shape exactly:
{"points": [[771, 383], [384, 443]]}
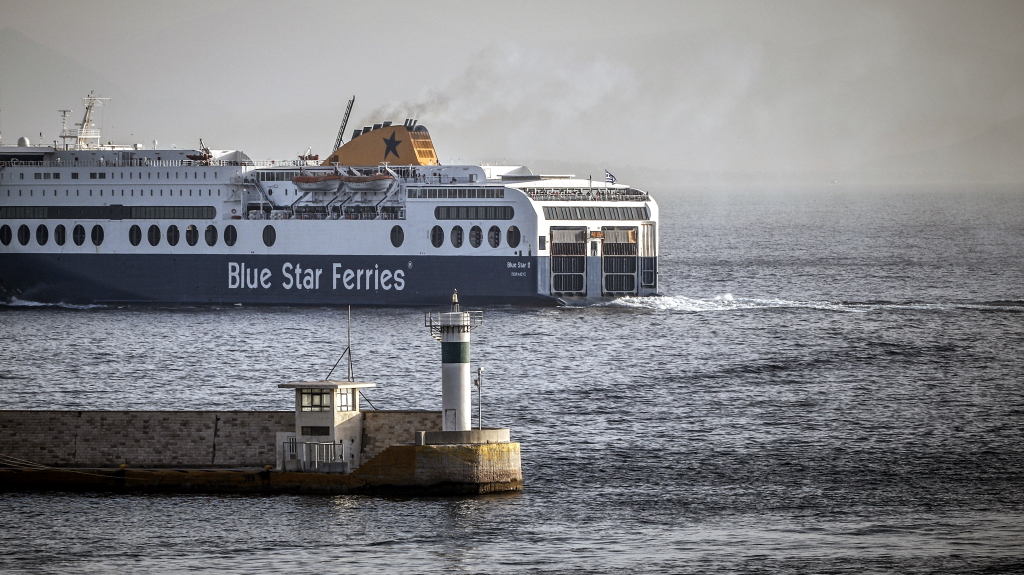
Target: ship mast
{"points": [[344, 122], [86, 132]]}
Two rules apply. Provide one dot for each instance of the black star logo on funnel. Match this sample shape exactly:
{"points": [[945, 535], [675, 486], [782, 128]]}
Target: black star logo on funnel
{"points": [[392, 146]]}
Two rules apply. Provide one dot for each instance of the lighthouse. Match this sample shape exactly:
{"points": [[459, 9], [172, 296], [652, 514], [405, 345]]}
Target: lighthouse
{"points": [[453, 329]]}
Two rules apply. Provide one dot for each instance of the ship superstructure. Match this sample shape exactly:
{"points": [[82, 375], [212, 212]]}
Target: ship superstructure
{"points": [[378, 222]]}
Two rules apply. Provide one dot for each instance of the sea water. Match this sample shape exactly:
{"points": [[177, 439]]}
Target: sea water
{"points": [[833, 381]]}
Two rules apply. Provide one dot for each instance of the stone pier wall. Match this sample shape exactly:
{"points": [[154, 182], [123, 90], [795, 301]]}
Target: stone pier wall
{"points": [[196, 439], [181, 439], [384, 428]]}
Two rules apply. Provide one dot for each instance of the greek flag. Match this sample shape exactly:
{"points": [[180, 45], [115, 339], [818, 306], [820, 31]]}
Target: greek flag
{"points": [[609, 177]]}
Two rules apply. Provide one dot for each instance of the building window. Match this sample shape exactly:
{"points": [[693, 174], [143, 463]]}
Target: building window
{"points": [[345, 402], [315, 399], [316, 430]]}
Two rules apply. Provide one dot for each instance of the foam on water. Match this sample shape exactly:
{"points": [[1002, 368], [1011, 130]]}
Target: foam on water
{"points": [[15, 302], [729, 302]]}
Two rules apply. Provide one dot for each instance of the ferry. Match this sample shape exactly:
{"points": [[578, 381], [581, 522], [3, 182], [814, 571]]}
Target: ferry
{"points": [[380, 221]]}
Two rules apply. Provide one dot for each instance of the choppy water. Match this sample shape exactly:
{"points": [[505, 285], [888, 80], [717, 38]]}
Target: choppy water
{"points": [[834, 382]]}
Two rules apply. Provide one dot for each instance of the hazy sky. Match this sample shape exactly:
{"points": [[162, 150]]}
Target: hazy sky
{"points": [[704, 87]]}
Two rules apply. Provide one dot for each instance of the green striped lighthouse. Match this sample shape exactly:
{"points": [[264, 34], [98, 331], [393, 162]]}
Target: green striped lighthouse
{"points": [[452, 329]]}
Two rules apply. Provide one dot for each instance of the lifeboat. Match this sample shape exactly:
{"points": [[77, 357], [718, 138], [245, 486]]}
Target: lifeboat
{"points": [[332, 182]]}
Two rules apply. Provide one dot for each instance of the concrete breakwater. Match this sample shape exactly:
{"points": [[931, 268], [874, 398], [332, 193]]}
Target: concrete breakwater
{"points": [[236, 451]]}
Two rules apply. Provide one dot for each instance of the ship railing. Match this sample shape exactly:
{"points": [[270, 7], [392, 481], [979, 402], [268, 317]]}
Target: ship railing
{"points": [[144, 162], [315, 456], [280, 215], [586, 195]]}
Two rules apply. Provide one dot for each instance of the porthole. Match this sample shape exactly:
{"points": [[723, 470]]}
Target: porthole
{"points": [[154, 234], [24, 235], [173, 235], [191, 235], [211, 235], [457, 236], [436, 236], [42, 234], [513, 237], [269, 236], [97, 235], [60, 235], [230, 235], [78, 235], [494, 236], [135, 235], [476, 236], [5, 234], [397, 236]]}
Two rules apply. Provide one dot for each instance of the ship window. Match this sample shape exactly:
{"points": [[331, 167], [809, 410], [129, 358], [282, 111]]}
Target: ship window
{"points": [[39, 176], [474, 212], [23, 234], [46, 176], [103, 175], [173, 235], [513, 237], [5, 235], [397, 236], [74, 175], [135, 235], [269, 236], [345, 400], [59, 235], [494, 236], [191, 235], [315, 399], [230, 235], [476, 236], [436, 236], [211, 235], [154, 235], [78, 235], [42, 234], [21, 176], [457, 236], [542, 242]]}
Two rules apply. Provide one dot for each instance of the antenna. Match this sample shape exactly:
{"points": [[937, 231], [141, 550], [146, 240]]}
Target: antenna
{"points": [[344, 122], [348, 351], [351, 377]]}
